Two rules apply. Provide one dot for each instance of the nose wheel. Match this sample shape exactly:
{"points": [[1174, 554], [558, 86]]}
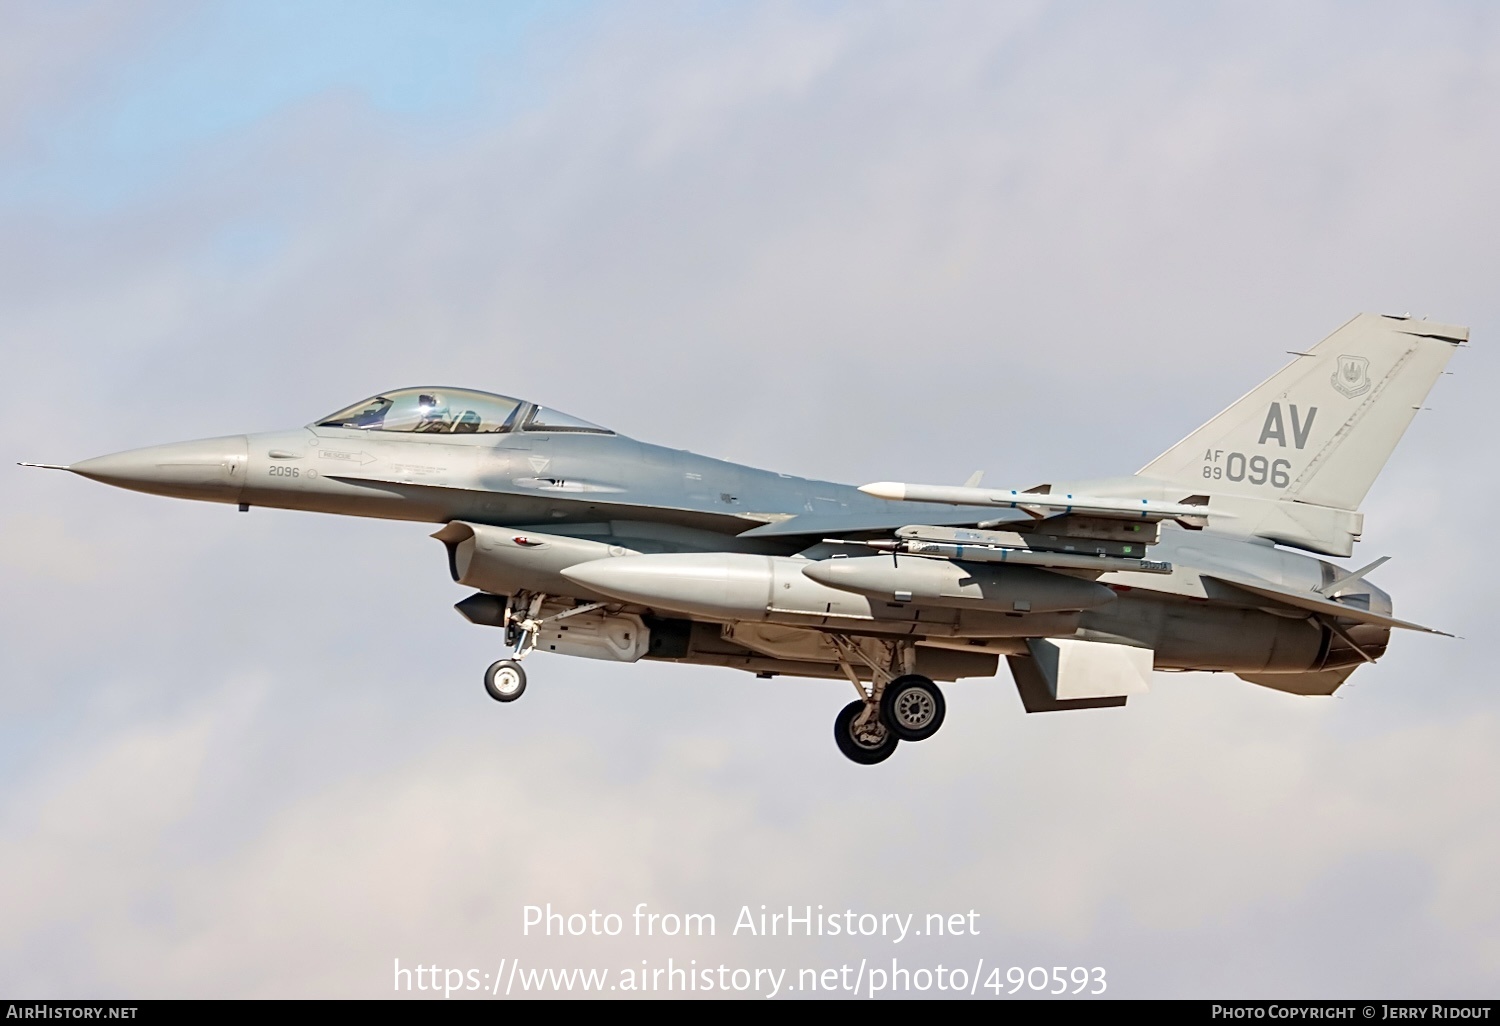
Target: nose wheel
{"points": [[505, 680]]}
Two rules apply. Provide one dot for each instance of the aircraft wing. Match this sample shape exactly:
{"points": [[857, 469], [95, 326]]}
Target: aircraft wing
{"points": [[1312, 603], [822, 525]]}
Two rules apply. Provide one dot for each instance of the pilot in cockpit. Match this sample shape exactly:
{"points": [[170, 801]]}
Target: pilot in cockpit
{"points": [[457, 411], [432, 413]]}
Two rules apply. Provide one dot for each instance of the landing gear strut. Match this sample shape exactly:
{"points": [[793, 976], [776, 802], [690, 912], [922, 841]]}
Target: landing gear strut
{"points": [[505, 680], [899, 705]]}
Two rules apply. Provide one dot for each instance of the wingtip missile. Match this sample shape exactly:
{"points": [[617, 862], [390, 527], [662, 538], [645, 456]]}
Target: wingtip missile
{"points": [[1040, 503], [893, 490]]}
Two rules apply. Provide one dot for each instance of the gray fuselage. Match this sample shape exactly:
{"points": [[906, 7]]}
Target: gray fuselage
{"points": [[650, 499]]}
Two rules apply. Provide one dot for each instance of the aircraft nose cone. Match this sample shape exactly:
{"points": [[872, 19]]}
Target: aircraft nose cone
{"points": [[210, 468]]}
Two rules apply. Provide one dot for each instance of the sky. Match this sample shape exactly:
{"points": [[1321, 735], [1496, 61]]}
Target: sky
{"points": [[250, 755]]}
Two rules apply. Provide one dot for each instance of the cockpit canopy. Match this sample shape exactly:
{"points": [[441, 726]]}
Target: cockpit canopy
{"points": [[453, 411]]}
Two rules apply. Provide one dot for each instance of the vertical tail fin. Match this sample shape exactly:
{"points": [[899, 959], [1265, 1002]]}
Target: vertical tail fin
{"points": [[1319, 430]]}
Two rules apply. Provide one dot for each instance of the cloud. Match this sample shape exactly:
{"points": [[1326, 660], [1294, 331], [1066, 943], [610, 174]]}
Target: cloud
{"points": [[432, 859], [54, 55]]}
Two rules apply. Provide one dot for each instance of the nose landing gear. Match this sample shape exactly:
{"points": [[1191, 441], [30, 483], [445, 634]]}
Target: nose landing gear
{"points": [[505, 680]]}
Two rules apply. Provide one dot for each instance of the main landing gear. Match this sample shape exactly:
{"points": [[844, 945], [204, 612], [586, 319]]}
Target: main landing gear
{"points": [[913, 706], [505, 680], [899, 705], [861, 736]]}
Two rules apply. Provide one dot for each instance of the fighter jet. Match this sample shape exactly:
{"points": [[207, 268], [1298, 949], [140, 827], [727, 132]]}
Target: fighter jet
{"points": [[578, 540]]}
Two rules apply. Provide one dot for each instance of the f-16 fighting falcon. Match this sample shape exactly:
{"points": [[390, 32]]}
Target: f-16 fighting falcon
{"points": [[580, 541]]}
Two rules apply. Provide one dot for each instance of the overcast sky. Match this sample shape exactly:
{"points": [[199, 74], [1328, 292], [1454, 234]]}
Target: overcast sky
{"points": [[251, 754]]}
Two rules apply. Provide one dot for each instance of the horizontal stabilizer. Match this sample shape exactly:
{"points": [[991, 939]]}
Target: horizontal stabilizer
{"points": [[1313, 603], [1347, 579]]}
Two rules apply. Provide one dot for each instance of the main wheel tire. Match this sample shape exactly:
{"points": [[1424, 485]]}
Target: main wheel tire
{"points": [[912, 707], [873, 742], [505, 680]]}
